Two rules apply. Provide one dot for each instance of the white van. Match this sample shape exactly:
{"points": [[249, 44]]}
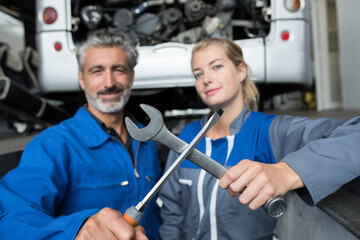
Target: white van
{"points": [[274, 36]]}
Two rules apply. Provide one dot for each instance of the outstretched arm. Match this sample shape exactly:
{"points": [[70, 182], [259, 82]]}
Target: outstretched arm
{"points": [[323, 152], [320, 155]]}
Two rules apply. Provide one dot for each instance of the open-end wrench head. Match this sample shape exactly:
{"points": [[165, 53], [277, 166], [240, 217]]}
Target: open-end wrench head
{"points": [[151, 130]]}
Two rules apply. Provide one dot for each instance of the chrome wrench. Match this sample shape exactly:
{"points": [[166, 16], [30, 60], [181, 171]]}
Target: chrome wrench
{"points": [[157, 131], [134, 214]]}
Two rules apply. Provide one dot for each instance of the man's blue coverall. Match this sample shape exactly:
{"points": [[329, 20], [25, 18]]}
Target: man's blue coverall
{"points": [[68, 173]]}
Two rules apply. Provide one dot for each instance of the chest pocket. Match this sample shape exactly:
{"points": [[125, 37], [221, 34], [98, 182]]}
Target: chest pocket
{"points": [[101, 181], [98, 191]]}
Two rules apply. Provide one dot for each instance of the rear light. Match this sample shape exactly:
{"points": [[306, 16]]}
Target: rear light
{"points": [[49, 15], [292, 5], [58, 46], [285, 35]]}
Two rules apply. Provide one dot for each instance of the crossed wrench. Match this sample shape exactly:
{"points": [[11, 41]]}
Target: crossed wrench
{"points": [[157, 131]]}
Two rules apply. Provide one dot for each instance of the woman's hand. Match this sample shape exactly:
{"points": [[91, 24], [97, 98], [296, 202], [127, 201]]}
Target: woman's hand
{"points": [[257, 182]]}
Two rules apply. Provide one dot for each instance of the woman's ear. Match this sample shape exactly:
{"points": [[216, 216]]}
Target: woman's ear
{"points": [[242, 71]]}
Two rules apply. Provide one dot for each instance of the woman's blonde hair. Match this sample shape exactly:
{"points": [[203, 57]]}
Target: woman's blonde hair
{"points": [[234, 53]]}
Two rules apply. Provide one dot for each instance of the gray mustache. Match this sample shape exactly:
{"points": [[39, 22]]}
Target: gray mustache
{"points": [[111, 90]]}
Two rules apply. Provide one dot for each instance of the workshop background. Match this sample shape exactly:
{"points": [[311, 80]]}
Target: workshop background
{"points": [[335, 55]]}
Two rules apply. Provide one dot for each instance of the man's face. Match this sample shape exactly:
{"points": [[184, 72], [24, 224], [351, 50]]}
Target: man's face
{"points": [[107, 79]]}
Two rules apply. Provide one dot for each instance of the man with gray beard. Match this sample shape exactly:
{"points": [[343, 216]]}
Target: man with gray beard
{"points": [[76, 179]]}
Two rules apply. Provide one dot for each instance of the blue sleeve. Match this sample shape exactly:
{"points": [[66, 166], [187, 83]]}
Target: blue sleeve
{"points": [[30, 194], [323, 152], [171, 210]]}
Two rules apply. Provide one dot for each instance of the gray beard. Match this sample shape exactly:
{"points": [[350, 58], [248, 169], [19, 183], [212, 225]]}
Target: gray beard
{"points": [[108, 106]]}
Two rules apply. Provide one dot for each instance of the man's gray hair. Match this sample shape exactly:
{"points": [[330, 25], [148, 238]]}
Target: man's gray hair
{"points": [[107, 40]]}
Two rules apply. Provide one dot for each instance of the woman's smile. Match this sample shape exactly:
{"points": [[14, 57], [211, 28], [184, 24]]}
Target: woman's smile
{"points": [[212, 91]]}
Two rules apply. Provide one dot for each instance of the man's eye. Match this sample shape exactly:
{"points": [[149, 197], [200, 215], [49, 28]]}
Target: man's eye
{"points": [[120, 70], [197, 75]]}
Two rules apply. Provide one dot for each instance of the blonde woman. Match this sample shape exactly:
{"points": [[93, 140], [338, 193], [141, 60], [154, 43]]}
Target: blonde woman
{"points": [[268, 155]]}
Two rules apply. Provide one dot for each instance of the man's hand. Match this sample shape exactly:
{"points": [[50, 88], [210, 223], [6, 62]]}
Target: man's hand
{"points": [[109, 224], [257, 182]]}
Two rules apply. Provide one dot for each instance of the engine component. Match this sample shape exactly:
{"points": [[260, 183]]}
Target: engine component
{"points": [[219, 25], [114, 2], [226, 5], [150, 22], [211, 24], [211, 10], [147, 24], [190, 36], [172, 16], [172, 19], [123, 18], [129, 35], [195, 10], [140, 9], [91, 15]]}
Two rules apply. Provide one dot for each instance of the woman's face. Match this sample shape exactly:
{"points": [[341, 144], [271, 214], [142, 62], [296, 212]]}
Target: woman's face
{"points": [[218, 80]]}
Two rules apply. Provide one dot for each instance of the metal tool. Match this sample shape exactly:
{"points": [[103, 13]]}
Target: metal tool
{"points": [[133, 215], [157, 131]]}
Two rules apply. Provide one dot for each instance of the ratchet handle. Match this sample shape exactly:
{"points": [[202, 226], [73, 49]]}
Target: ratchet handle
{"points": [[133, 216], [275, 207]]}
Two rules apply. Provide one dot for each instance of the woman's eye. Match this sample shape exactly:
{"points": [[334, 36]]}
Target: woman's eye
{"points": [[197, 75], [218, 66]]}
